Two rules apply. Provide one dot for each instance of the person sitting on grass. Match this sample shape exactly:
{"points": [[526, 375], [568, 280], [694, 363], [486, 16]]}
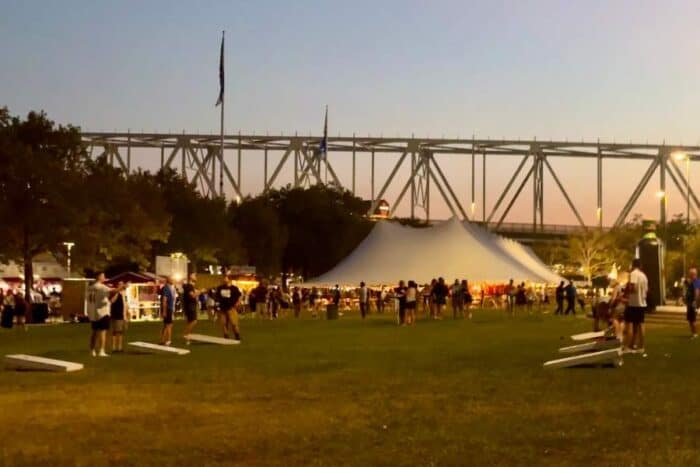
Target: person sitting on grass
{"points": [[228, 295], [118, 315]]}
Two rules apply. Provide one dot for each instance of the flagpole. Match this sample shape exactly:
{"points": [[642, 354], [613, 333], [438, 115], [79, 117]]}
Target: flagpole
{"points": [[221, 143]]}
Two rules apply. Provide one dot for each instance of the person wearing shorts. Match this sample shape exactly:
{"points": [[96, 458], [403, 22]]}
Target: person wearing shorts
{"points": [[167, 309], [228, 295], [638, 287], [411, 301], [189, 303], [118, 315], [99, 308], [692, 296]]}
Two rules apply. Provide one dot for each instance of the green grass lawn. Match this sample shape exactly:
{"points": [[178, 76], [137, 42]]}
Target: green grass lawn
{"points": [[349, 392]]}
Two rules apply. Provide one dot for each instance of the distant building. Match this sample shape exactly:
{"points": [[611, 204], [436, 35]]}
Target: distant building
{"points": [[382, 211]]}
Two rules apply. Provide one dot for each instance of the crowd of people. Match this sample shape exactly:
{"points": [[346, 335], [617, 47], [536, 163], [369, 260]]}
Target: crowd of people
{"points": [[622, 309]]}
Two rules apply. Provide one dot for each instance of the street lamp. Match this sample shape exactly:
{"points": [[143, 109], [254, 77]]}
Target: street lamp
{"points": [[68, 246]]}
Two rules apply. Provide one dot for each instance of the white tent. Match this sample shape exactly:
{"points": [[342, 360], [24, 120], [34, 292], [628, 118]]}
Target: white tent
{"points": [[392, 252], [518, 252]]}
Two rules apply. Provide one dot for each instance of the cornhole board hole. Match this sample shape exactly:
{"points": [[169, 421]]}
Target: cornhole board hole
{"points": [[592, 346], [159, 348], [209, 339], [588, 335], [34, 363], [612, 356]]}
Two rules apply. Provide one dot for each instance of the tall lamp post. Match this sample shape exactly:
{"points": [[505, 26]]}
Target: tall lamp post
{"points": [[69, 246]]}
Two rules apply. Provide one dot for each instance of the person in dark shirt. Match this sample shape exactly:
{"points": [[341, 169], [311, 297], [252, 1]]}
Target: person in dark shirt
{"points": [[570, 292], [119, 315], [440, 293], [692, 296], [559, 295], [189, 303], [296, 301], [400, 292], [228, 295]]}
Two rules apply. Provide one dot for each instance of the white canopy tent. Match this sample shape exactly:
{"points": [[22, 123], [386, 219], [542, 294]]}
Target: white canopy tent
{"points": [[392, 252], [517, 251]]}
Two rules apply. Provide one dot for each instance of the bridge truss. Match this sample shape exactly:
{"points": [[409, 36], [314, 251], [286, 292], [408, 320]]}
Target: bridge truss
{"points": [[199, 159]]}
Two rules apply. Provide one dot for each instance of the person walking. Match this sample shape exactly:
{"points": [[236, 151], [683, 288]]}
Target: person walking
{"points": [[99, 308], [20, 307], [570, 293], [118, 316], [411, 302], [441, 292], [692, 298], [364, 299], [168, 296], [296, 301], [637, 288], [457, 300], [228, 295], [381, 299], [400, 293], [511, 291], [467, 298], [189, 303], [559, 297]]}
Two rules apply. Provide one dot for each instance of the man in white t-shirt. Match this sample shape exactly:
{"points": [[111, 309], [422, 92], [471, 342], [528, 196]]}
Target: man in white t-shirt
{"points": [[637, 289], [364, 299], [98, 312]]}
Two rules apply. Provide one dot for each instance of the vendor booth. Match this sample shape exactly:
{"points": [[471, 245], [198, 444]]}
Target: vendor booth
{"points": [[142, 289]]}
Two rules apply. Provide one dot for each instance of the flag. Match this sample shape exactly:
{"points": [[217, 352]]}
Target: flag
{"points": [[221, 73], [323, 147]]}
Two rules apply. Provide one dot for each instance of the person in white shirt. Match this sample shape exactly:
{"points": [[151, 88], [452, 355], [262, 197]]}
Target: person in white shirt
{"points": [[637, 289], [364, 299], [411, 300], [98, 312]]}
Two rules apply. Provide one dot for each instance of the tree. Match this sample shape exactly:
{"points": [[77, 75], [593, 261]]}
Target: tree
{"points": [[262, 234], [200, 225], [40, 163], [120, 220], [592, 252]]}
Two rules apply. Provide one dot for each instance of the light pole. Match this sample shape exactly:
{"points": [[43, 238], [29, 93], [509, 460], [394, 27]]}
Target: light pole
{"points": [[69, 246]]}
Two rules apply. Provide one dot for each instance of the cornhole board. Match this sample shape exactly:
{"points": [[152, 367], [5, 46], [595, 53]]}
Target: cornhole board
{"points": [[588, 335], [209, 339], [613, 356], [159, 348], [592, 346], [32, 362]]}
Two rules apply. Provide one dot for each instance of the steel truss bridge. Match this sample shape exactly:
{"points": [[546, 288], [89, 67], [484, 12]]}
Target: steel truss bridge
{"points": [[199, 158]]}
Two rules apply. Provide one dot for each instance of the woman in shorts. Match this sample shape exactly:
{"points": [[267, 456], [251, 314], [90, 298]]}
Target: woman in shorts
{"points": [[411, 300]]}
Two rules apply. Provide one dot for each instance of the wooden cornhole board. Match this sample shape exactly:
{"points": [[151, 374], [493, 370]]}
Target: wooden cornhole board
{"points": [[613, 356], [210, 339], [32, 362], [592, 346], [159, 348], [588, 335]]}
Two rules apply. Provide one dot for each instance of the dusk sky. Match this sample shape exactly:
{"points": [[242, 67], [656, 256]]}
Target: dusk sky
{"points": [[609, 70]]}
